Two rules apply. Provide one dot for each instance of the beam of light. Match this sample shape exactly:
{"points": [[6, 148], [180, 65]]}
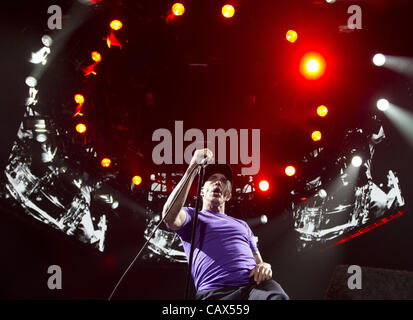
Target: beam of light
{"points": [[178, 9], [228, 11], [383, 104], [369, 227], [379, 59], [402, 120], [291, 36], [322, 111], [312, 65], [399, 64]]}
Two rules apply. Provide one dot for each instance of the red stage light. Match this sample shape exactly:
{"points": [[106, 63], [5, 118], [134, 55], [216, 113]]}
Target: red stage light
{"points": [[178, 9], [312, 65], [322, 111], [228, 11], [81, 128], [79, 98], [96, 56], [316, 135], [264, 185], [291, 36], [136, 180], [116, 25], [105, 162], [290, 171]]}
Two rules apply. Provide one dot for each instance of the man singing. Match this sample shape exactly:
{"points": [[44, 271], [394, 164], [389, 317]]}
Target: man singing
{"points": [[226, 262]]}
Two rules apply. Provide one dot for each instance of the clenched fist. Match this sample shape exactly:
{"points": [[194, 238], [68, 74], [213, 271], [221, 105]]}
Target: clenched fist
{"points": [[200, 154]]}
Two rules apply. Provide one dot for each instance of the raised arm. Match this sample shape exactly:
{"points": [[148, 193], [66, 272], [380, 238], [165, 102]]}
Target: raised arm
{"points": [[177, 216]]}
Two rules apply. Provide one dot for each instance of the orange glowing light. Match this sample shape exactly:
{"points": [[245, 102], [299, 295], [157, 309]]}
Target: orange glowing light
{"points": [[316, 135], [312, 65], [264, 185], [116, 25], [322, 111], [178, 9], [290, 171], [79, 98], [105, 162], [228, 11], [291, 36], [137, 180], [81, 128], [96, 56]]}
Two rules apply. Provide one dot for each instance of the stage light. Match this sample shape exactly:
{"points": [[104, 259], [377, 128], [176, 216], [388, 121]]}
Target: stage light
{"points": [[316, 135], [105, 162], [264, 185], [136, 180], [383, 104], [312, 65], [263, 219], [322, 193], [290, 171], [31, 81], [79, 98], [379, 59], [47, 40], [115, 204], [322, 111], [96, 56], [81, 128], [41, 137], [178, 9], [291, 36], [228, 11], [330, 1], [356, 161], [116, 25]]}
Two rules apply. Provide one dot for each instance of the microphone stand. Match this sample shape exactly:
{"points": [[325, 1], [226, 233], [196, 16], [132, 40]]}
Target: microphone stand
{"points": [[191, 252]]}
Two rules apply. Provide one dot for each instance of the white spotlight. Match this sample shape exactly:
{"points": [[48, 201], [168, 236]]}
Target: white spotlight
{"points": [[322, 193], [330, 1], [47, 40], [379, 59], [263, 219], [31, 81], [383, 104], [356, 161]]}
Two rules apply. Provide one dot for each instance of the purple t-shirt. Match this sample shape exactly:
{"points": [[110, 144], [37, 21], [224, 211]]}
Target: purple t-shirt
{"points": [[223, 249]]}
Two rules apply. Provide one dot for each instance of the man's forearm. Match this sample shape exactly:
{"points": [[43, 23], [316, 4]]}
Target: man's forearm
{"points": [[180, 201]]}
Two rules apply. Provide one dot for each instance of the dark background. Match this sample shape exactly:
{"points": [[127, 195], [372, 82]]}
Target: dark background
{"points": [[246, 57]]}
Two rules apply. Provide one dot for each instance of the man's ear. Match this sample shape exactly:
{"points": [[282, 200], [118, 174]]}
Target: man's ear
{"points": [[228, 196]]}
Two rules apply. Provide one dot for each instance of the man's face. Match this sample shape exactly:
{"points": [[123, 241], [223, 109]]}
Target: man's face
{"points": [[217, 189]]}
